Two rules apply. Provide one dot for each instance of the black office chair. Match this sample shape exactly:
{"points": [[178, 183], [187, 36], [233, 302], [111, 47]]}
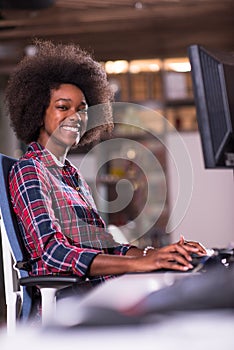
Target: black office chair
{"points": [[18, 283]]}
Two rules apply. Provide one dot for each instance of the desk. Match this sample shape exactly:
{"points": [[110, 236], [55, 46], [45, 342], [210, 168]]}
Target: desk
{"points": [[150, 294], [118, 294], [184, 330], [128, 289], [193, 331]]}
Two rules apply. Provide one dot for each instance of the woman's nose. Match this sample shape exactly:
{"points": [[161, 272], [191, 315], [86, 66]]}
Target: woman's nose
{"points": [[75, 117]]}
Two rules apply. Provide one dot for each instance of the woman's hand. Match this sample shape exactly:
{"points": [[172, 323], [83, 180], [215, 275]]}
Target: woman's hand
{"points": [[201, 249], [175, 256]]}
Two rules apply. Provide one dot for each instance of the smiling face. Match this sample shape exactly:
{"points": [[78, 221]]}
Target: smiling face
{"points": [[65, 119]]}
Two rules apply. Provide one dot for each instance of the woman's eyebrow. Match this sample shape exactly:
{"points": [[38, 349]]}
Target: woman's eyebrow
{"points": [[63, 99], [82, 103]]}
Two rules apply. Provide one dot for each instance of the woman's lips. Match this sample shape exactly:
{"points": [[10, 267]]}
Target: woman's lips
{"points": [[71, 128]]}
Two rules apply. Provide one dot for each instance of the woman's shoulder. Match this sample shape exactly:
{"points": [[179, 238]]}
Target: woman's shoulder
{"points": [[34, 157], [27, 159], [29, 163]]}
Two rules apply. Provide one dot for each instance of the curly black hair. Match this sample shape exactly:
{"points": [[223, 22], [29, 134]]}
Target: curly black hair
{"points": [[29, 88]]}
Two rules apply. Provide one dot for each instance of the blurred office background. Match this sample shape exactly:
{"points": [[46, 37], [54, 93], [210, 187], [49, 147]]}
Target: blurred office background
{"points": [[143, 47]]}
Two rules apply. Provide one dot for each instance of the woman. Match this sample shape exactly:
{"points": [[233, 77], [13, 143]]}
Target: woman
{"points": [[48, 96]]}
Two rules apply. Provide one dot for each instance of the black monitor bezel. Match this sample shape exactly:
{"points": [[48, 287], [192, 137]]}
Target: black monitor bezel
{"points": [[225, 64]]}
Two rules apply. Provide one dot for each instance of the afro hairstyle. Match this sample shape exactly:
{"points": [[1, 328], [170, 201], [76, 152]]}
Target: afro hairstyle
{"points": [[28, 91]]}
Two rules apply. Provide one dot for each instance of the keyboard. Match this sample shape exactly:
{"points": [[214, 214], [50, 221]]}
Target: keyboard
{"points": [[222, 257]]}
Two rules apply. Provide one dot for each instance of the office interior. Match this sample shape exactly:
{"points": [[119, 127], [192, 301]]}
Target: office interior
{"points": [[143, 48]]}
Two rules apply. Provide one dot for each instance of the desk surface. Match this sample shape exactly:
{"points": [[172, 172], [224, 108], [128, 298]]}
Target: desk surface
{"points": [[132, 288], [183, 330], [118, 294], [204, 330]]}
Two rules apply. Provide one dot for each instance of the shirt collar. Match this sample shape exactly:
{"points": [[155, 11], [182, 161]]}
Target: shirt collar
{"points": [[59, 164], [36, 150]]}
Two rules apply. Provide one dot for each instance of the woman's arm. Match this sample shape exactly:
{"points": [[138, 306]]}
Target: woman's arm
{"points": [[175, 256]]}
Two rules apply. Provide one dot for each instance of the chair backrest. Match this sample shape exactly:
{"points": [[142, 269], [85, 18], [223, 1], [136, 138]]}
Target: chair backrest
{"points": [[10, 228]]}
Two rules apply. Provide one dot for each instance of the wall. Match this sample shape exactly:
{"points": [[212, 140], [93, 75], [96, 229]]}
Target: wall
{"points": [[209, 218]]}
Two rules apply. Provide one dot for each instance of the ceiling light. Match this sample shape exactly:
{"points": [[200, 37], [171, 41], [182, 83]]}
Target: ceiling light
{"points": [[116, 67], [177, 65], [149, 65]]}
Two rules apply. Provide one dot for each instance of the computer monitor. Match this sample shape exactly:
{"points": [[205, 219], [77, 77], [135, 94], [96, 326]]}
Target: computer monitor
{"points": [[213, 86]]}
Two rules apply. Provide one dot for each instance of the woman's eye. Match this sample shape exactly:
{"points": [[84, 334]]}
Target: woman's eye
{"points": [[82, 111], [62, 108]]}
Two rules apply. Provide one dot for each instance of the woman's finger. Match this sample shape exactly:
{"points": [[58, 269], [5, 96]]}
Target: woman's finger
{"points": [[201, 248], [185, 250], [198, 245], [174, 261], [182, 240], [180, 259]]}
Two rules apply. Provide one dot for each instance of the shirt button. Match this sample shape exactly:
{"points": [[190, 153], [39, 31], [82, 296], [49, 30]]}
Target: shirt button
{"points": [[78, 188]]}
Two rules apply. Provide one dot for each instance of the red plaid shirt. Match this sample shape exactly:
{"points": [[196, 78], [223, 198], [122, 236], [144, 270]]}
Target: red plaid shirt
{"points": [[60, 224]]}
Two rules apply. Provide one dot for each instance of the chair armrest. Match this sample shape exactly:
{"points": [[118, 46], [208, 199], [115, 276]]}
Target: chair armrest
{"points": [[48, 286], [48, 281]]}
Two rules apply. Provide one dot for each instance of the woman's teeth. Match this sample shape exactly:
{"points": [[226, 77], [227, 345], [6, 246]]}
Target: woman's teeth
{"points": [[71, 128]]}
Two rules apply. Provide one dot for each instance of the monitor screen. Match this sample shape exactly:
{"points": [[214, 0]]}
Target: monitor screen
{"points": [[213, 87]]}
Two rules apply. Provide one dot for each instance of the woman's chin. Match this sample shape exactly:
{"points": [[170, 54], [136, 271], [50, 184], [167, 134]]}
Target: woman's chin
{"points": [[72, 142]]}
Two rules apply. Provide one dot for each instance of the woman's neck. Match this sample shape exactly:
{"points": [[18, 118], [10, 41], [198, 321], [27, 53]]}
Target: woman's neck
{"points": [[58, 151]]}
